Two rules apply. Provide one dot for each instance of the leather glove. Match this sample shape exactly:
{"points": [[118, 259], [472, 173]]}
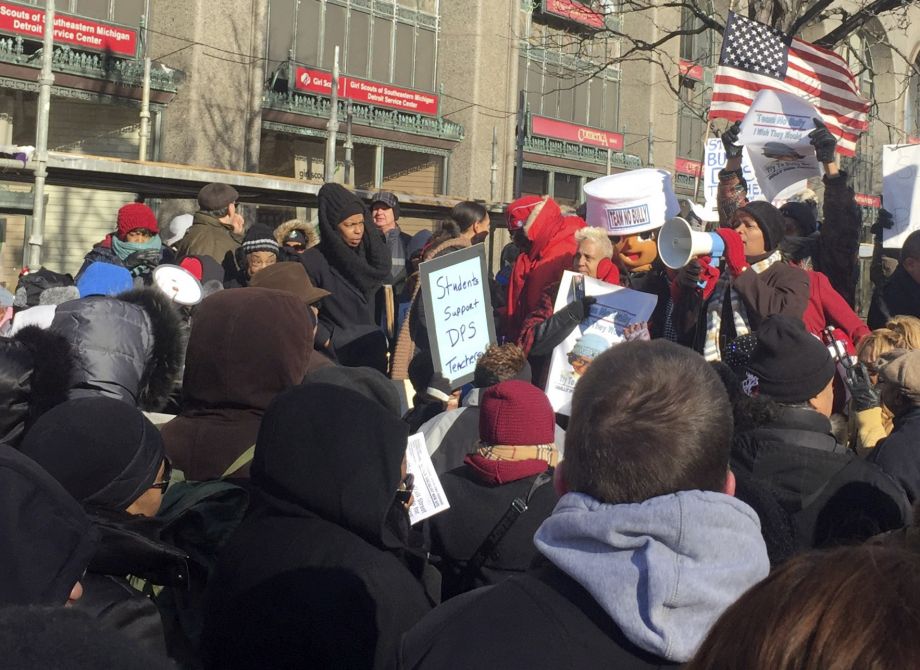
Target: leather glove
{"points": [[730, 139], [734, 251], [884, 222], [578, 310], [823, 141], [145, 258], [864, 394]]}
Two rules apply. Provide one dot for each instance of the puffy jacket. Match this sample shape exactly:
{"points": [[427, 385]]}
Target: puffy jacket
{"points": [[127, 347]]}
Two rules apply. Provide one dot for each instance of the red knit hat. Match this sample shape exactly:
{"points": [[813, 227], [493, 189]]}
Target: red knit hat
{"points": [[136, 215], [515, 413]]}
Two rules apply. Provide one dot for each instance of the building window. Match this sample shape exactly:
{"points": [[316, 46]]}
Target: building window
{"points": [[568, 93], [125, 12], [379, 41], [696, 49]]}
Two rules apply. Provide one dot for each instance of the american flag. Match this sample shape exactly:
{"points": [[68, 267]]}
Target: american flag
{"points": [[755, 56]]}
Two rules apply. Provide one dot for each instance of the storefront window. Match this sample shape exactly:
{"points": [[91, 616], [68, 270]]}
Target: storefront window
{"points": [[534, 182], [412, 172], [567, 189]]}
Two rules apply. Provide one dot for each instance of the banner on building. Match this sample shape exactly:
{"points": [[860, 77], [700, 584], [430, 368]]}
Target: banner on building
{"points": [[714, 163], [775, 133], [576, 12], [616, 308], [901, 191], [572, 132], [28, 21], [367, 92], [458, 311]]}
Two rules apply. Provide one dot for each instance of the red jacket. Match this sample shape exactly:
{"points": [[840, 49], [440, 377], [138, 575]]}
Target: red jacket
{"points": [[553, 246], [826, 307]]}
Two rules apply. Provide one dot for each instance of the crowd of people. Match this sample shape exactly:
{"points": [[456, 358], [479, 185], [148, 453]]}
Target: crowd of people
{"points": [[223, 483]]}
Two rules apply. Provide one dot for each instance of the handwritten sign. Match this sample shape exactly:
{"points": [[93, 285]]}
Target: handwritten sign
{"points": [[428, 496], [775, 133], [615, 308], [901, 191], [458, 310]]}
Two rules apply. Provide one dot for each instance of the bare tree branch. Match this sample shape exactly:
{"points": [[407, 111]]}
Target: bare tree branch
{"points": [[853, 22]]}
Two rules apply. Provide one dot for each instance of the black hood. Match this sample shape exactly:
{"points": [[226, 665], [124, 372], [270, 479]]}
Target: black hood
{"points": [[333, 452], [47, 539]]}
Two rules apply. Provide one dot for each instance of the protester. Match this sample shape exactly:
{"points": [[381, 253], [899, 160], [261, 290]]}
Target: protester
{"points": [[127, 347], [36, 367], [319, 572], [246, 346], [135, 244], [831, 495], [258, 251], [385, 211], [47, 539], [832, 251], [542, 330], [644, 523], [104, 279], [111, 460], [295, 236], [853, 607], [897, 454], [217, 227], [352, 263], [433, 394], [487, 534], [907, 329], [901, 292], [546, 239], [468, 224], [754, 284]]}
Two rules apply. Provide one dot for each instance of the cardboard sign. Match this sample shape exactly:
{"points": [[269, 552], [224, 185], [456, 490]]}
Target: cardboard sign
{"points": [[458, 310], [714, 163], [428, 496], [616, 308], [775, 134], [901, 191], [80, 33], [368, 92]]}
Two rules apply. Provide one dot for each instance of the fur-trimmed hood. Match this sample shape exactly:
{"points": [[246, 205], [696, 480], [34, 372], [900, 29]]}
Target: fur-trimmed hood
{"points": [[128, 347], [285, 229], [36, 369]]}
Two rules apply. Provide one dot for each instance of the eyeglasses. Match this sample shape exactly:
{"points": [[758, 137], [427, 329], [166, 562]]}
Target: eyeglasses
{"points": [[167, 474]]}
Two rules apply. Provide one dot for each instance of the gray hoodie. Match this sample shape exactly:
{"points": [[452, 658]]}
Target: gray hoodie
{"points": [[664, 569]]}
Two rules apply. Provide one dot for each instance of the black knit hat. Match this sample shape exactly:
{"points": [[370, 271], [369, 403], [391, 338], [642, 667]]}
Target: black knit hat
{"points": [[789, 365], [769, 220], [337, 203], [805, 215], [260, 238]]}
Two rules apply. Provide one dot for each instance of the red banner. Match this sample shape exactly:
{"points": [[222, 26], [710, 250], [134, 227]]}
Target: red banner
{"points": [[913, 140], [864, 200], [689, 167], [575, 12], [690, 69], [29, 21], [570, 132], [368, 92]]}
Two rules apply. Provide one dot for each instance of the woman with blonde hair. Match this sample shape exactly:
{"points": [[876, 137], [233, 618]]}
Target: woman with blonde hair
{"points": [[907, 329], [872, 423]]}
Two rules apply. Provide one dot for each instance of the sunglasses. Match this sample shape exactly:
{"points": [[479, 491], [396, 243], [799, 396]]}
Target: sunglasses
{"points": [[167, 474]]}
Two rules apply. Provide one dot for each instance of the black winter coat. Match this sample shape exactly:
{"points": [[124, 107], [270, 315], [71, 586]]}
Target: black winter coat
{"points": [[899, 453], [318, 574], [476, 506], [542, 619], [832, 495], [899, 296]]}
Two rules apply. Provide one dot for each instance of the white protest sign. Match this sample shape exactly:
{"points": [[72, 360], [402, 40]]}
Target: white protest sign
{"points": [[428, 496], [715, 162], [616, 308], [458, 311], [775, 133], [901, 191]]}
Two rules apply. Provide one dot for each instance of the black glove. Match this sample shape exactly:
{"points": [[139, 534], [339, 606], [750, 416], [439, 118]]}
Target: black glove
{"points": [[823, 141], [578, 310], [688, 277], [143, 260], [730, 139], [864, 394], [885, 221]]}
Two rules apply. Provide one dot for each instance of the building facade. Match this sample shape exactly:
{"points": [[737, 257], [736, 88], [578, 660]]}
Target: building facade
{"points": [[433, 91]]}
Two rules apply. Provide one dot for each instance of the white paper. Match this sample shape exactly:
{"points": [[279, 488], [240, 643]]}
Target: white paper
{"points": [[775, 133], [616, 308], [901, 191], [428, 496], [715, 163]]}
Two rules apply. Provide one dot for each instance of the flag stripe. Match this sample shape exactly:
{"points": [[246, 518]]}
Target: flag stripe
{"points": [[823, 81], [826, 105], [829, 58], [822, 60]]}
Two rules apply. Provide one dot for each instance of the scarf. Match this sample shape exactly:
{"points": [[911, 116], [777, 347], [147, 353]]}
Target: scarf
{"points": [[711, 349], [496, 473], [366, 267], [498, 452], [125, 249]]}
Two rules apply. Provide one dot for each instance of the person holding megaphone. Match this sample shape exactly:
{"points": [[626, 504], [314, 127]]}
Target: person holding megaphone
{"points": [[717, 302]]}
